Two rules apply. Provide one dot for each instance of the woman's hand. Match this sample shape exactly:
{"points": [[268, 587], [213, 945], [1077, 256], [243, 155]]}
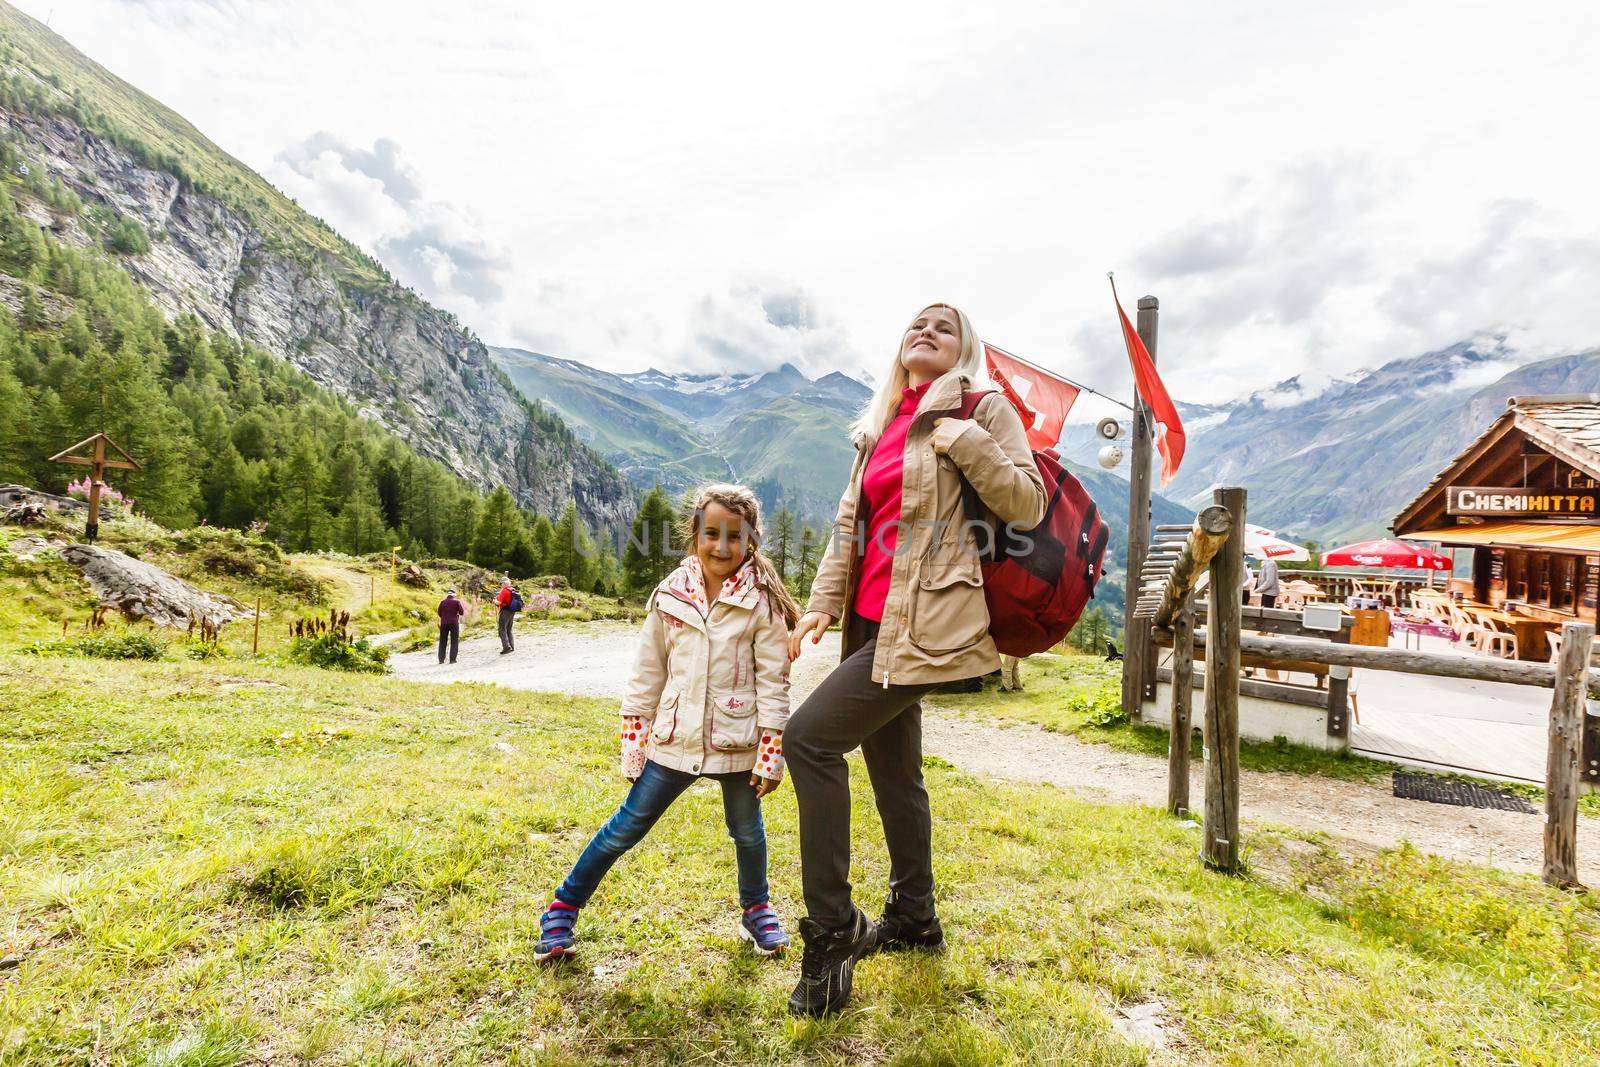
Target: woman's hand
{"points": [[765, 786], [814, 623], [946, 430]]}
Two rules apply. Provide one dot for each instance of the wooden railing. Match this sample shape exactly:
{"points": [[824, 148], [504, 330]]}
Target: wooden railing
{"points": [[1163, 598]]}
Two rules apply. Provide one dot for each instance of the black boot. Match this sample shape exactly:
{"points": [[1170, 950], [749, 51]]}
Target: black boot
{"points": [[902, 927], [828, 964]]}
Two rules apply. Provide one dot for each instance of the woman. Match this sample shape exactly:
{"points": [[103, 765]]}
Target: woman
{"points": [[902, 573]]}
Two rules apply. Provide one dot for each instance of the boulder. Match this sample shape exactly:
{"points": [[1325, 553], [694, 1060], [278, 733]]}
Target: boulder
{"points": [[414, 576], [147, 593]]}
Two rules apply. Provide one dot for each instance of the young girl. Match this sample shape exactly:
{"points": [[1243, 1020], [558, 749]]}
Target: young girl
{"points": [[709, 698]]}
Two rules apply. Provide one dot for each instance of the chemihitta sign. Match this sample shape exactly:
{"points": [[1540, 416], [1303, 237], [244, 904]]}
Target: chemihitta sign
{"points": [[1505, 500]]}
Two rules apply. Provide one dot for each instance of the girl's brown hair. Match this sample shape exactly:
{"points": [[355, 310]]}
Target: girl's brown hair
{"points": [[742, 502]]}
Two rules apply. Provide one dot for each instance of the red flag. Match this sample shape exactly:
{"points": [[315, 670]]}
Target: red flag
{"points": [[1041, 398], [1170, 440]]}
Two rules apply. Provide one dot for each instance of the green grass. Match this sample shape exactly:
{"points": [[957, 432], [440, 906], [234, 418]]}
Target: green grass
{"points": [[221, 862]]}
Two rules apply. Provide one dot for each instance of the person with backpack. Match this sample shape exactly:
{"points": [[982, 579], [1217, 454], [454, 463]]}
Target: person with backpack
{"points": [[903, 576], [510, 602], [450, 611]]}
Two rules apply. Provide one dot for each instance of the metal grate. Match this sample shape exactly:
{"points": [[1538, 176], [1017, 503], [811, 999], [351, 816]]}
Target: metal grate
{"points": [[1449, 791]]}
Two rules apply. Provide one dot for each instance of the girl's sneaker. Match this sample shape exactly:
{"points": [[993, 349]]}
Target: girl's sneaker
{"points": [[555, 932], [760, 926]]}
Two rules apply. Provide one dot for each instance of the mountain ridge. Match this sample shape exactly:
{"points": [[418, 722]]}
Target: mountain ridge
{"points": [[228, 248]]}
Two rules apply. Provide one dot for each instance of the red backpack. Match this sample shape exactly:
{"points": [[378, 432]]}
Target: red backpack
{"points": [[1037, 583]]}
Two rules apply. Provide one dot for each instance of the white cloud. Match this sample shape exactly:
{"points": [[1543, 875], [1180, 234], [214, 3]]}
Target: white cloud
{"points": [[1311, 190]]}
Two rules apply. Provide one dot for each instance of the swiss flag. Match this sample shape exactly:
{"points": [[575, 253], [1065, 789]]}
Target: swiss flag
{"points": [[1171, 440], [1042, 399]]}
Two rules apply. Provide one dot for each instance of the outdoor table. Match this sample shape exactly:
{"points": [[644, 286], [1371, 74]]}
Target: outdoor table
{"points": [[1366, 603], [1529, 631], [1406, 627]]}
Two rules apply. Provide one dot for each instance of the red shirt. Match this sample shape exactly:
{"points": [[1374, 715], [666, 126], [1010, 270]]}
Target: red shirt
{"points": [[880, 492]]}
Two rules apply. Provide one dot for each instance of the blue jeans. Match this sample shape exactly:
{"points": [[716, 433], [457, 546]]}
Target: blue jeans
{"points": [[652, 794]]}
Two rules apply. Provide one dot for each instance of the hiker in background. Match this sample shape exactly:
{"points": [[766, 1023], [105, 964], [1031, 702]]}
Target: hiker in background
{"points": [[510, 602], [450, 612], [1267, 583], [1249, 586], [709, 699], [911, 600]]}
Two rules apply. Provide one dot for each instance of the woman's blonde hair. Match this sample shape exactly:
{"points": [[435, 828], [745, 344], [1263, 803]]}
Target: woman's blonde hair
{"points": [[886, 401], [742, 502]]}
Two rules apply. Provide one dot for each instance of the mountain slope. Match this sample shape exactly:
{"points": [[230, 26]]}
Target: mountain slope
{"points": [[1337, 467], [223, 245], [781, 432]]}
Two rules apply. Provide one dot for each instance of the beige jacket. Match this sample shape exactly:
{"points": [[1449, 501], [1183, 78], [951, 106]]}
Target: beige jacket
{"points": [[935, 623], [708, 686]]}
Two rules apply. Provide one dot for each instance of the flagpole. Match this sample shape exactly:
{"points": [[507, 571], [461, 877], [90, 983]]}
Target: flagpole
{"points": [[1138, 665], [1055, 374]]}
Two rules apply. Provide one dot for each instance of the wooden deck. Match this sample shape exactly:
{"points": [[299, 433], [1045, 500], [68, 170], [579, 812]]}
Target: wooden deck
{"points": [[1482, 728]]}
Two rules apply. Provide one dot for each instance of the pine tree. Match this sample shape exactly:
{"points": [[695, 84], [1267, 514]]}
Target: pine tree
{"points": [[499, 530], [540, 538], [562, 556], [650, 553], [361, 526], [15, 430], [780, 542], [608, 574], [811, 549], [301, 521], [461, 523]]}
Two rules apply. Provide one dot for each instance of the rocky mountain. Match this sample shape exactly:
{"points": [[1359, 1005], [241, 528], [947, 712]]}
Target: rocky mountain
{"points": [[780, 432], [215, 240], [1337, 465]]}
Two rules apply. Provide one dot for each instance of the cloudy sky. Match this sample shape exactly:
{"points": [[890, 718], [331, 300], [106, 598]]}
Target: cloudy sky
{"points": [[1309, 189]]}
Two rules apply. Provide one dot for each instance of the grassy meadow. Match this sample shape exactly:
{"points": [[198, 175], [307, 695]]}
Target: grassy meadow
{"points": [[223, 862]]}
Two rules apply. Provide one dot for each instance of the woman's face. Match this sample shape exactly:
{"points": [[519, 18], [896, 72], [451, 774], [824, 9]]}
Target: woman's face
{"points": [[722, 544], [932, 345]]}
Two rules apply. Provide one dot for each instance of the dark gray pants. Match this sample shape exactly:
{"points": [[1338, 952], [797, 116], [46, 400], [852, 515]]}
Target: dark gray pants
{"points": [[449, 640], [506, 617], [848, 711]]}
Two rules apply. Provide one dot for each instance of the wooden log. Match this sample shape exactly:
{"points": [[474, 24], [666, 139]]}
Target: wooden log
{"points": [[1210, 530], [1221, 845], [1182, 701], [1561, 776], [1136, 633], [1434, 664]]}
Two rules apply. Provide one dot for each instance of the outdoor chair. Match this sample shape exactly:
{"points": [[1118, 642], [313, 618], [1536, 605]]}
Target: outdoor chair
{"points": [[1468, 629]]}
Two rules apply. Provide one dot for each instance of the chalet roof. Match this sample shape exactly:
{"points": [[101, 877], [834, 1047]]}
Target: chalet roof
{"points": [[1565, 425]]}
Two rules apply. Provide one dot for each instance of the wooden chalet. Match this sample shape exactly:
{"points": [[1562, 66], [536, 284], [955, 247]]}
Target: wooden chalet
{"points": [[1525, 499]]}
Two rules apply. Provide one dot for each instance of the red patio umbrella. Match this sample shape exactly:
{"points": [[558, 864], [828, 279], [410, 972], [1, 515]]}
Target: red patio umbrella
{"points": [[1386, 553]]}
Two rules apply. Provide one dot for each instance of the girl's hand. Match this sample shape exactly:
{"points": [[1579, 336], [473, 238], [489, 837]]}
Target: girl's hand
{"points": [[765, 786], [814, 623]]}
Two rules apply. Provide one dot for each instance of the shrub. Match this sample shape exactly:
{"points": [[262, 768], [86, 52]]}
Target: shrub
{"points": [[127, 237], [337, 652], [102, 646], [1102, 708]]}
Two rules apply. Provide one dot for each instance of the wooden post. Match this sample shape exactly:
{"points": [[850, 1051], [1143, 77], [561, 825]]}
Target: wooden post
{"points": [[255, 637], [97, 462], [1138, 656], [1567, 710], [1182, 700], [1221, 849]]}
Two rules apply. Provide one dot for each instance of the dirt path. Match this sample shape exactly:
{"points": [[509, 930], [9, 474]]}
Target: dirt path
{"points": [[593, 659]]}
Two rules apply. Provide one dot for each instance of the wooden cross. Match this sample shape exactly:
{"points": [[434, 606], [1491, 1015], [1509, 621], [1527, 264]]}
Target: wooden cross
{"points": [[97, 464]]}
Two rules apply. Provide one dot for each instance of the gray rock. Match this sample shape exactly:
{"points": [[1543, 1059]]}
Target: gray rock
{"points": [[403, 363], [146, 593]]}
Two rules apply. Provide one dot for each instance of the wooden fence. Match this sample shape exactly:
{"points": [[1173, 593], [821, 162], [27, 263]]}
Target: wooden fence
{"points": [[1216, 543]]}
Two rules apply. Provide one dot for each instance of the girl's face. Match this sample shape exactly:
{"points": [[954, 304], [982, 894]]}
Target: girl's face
{"points": [[722, 543], [932, 345]]}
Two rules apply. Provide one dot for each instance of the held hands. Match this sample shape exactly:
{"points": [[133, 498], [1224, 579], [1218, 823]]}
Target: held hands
{"points": [[814, 623], [764, 786]]}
